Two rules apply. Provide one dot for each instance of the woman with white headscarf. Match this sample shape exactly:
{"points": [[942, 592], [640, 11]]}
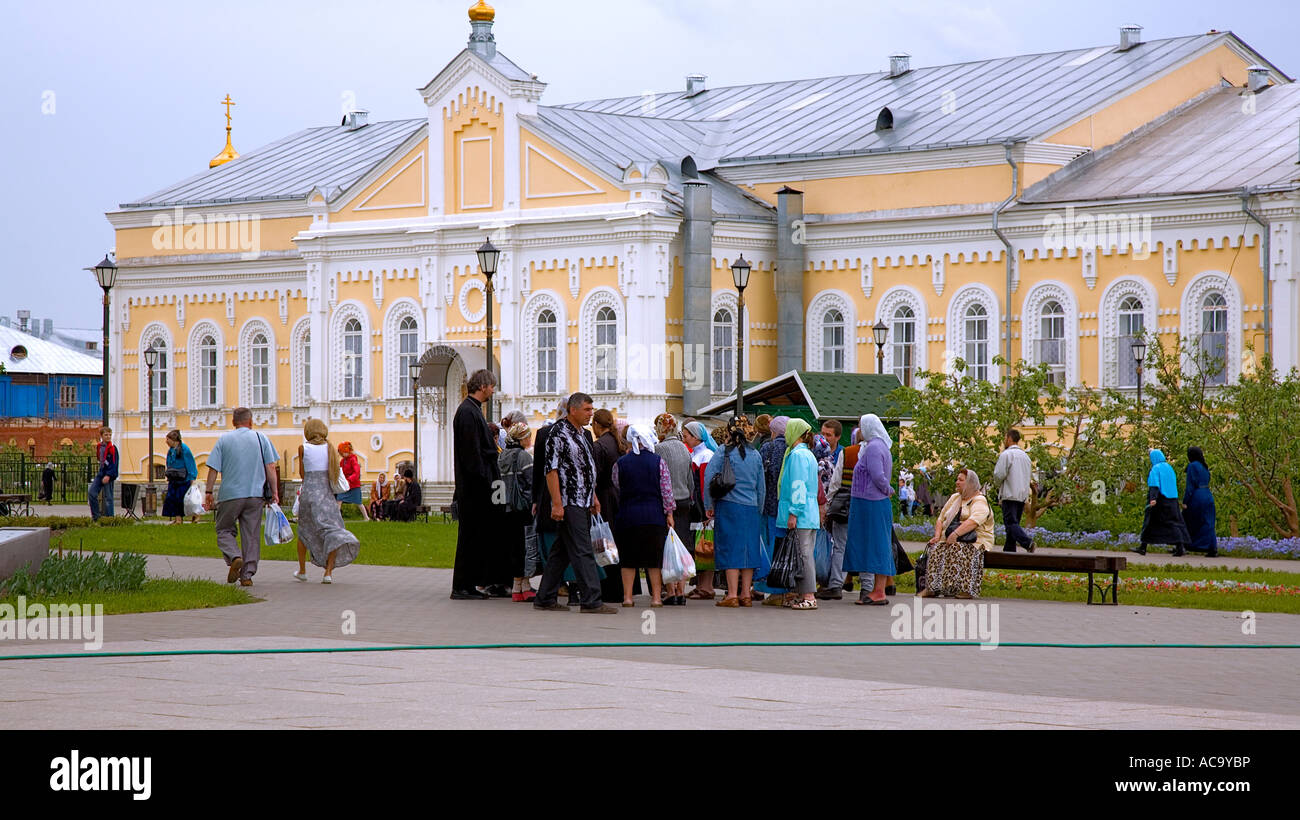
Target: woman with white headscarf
{"points": [[870, 546], [645, 512], [702, 446], [962, 533], [737, 513]]}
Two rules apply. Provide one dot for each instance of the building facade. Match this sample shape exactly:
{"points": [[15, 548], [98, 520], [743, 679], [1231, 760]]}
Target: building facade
{"points": [[1019, 206], [49, 395]]}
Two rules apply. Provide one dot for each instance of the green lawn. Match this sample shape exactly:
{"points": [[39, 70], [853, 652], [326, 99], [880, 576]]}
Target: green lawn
{"points": [[385, 543], [157, 595]]}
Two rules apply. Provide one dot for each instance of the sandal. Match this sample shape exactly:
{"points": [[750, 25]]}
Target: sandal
{"points": [[789, 601], [747, 602], [698, 594], [804, 605]]}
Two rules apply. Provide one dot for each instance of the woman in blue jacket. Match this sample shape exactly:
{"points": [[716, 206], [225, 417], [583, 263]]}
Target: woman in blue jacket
{"points": [[738, 515], [1198, 503], [181, 471], [798, 510]]}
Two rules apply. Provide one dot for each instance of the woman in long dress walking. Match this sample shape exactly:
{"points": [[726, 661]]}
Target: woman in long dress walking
{"points": [[1163, 520], [320, 523], [1198, 505]]}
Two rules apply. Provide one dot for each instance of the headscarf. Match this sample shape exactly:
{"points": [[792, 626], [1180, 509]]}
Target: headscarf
{"points": [[1195, 454], [315, 431], [710, 446], [761, 425], [1162, 475], [825, 467], [346, 448], [518, 431], [777, 426], [972, 485], [641, 437], [871, 427], [794, 430], [737, 434], [665, 426]]}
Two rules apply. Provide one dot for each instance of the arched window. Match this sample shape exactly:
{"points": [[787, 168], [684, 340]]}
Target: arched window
{"points": [[160, 373], [408, 343], [606, 350], [207, 359], [724, 351], [547, 351], [261, 361], [1051, 339], [903, 344], [976, 354], [306, 366], [1213, 343], [833, 341], [353, 362], [1132, 327]]}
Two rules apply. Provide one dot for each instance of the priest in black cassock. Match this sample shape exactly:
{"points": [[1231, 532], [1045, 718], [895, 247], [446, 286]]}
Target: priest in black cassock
{"points": [[476, 474]]}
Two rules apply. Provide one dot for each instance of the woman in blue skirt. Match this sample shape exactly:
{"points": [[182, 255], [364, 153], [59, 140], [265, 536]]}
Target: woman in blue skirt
{"points": [[870, 546], [737, 516], [773, 453], [1198, 505]]}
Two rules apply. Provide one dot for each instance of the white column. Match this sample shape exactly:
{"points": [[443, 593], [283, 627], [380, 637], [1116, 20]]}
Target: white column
{"points": [[1285, 319]]}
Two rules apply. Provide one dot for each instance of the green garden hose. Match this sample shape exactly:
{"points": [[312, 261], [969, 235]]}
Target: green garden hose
{"points": [[631, 645]]}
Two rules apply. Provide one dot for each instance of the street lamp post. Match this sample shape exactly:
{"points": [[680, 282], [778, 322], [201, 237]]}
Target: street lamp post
{"points": [[105, 274], [415, 401], [879, 334], [150, 494], [740, 276], [488, 256], [1139, 357]]}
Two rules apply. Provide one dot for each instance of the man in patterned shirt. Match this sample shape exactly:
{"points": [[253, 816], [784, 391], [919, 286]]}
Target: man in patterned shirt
{"points": [[571, 482]]}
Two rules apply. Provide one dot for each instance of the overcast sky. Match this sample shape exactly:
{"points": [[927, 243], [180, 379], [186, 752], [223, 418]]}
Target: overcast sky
{"points": [[108, 101]]}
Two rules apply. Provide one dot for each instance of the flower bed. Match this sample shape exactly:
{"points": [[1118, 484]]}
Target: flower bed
{"points": [[1241, 547], [1049, 582]]}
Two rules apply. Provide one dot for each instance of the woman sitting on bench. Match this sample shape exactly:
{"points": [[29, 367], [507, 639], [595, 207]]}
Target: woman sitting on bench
{"points": [[964, 530]]}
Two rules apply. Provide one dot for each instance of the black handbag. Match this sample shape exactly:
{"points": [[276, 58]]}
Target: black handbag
{"points": [[902, 563], [965, 538], [725, 480], [698, 514], [176, 475]]}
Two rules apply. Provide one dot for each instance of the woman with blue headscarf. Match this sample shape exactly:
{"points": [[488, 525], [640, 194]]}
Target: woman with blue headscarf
{"points": [[1163, 522], [702, 446]]}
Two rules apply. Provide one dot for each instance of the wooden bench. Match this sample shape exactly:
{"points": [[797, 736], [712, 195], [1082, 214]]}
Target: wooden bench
{"points": [[446, 514], [11, 502], [1091, 564]]}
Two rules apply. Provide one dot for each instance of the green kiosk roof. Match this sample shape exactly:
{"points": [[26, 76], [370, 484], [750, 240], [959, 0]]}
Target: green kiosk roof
{"points": [[844, 396]]}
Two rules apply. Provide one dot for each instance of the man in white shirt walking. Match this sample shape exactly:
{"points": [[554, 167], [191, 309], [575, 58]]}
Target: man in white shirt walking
{"points": [[1013, 473]]}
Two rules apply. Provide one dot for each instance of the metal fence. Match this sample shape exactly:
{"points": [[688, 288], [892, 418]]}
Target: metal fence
{"points": [[19, 473]]}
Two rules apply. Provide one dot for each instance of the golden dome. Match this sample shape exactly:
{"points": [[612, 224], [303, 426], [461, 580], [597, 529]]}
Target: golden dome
{"points": [[482, 12]]}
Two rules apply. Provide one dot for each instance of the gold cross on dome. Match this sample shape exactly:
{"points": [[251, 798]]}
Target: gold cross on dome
{"points": [[227, 102]]}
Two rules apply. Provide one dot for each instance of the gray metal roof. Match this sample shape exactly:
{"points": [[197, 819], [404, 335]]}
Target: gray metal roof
{"points": [[333, 158], [1204, 146], [991, 101], [45, 357]]}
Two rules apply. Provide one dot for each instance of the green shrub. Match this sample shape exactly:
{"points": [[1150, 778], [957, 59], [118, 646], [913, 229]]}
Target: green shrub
{"points": [[76, 573]]}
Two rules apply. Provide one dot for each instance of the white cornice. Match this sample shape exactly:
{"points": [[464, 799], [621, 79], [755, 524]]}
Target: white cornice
{"points": [[268, 209]]}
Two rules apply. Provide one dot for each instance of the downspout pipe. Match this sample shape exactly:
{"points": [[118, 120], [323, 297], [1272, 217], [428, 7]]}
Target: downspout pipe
{"points": [[1006, 243], [1265, 232]]}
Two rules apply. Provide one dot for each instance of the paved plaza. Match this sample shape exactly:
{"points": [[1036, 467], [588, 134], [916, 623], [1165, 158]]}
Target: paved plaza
{"points": [[642, 686]]}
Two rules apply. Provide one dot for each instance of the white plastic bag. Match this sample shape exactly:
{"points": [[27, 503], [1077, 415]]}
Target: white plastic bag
{"points": [[341, 484], [296, 496], [194, 500], [678, 564], [602, 543], [276, 528]]}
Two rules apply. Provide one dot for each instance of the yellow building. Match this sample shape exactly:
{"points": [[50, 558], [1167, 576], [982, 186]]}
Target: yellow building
{"points": [[1049, 206]]}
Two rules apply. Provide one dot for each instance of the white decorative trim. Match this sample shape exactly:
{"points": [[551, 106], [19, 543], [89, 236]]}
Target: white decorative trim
{"points": [[867, 278], [230, 309], [1088, 266], [539, 301], [213, 419], [817, 308], [957, 306], [1170, 263], [597, 299], [400, 309], [361, 206], [246, 333], [344, 312], [529, 150], [377, 288], [723, 300], [299, 340], [463, 300], [463, 205], [1031, 325], [1193, 297], [180, 312], [351, 410], [266, 417], [152, 331], [193, 364], [575, 281], [891, 301], [1111, 298], [376, 442], [937, 274], [397, 409]]}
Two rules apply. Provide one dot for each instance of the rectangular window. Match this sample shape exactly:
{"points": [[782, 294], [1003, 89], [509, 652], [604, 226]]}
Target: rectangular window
{"points": [[67, 396], [546, 359], [261, 375]]}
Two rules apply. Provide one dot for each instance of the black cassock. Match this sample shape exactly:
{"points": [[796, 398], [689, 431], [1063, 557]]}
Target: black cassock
{"points": [[477, 545]]}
